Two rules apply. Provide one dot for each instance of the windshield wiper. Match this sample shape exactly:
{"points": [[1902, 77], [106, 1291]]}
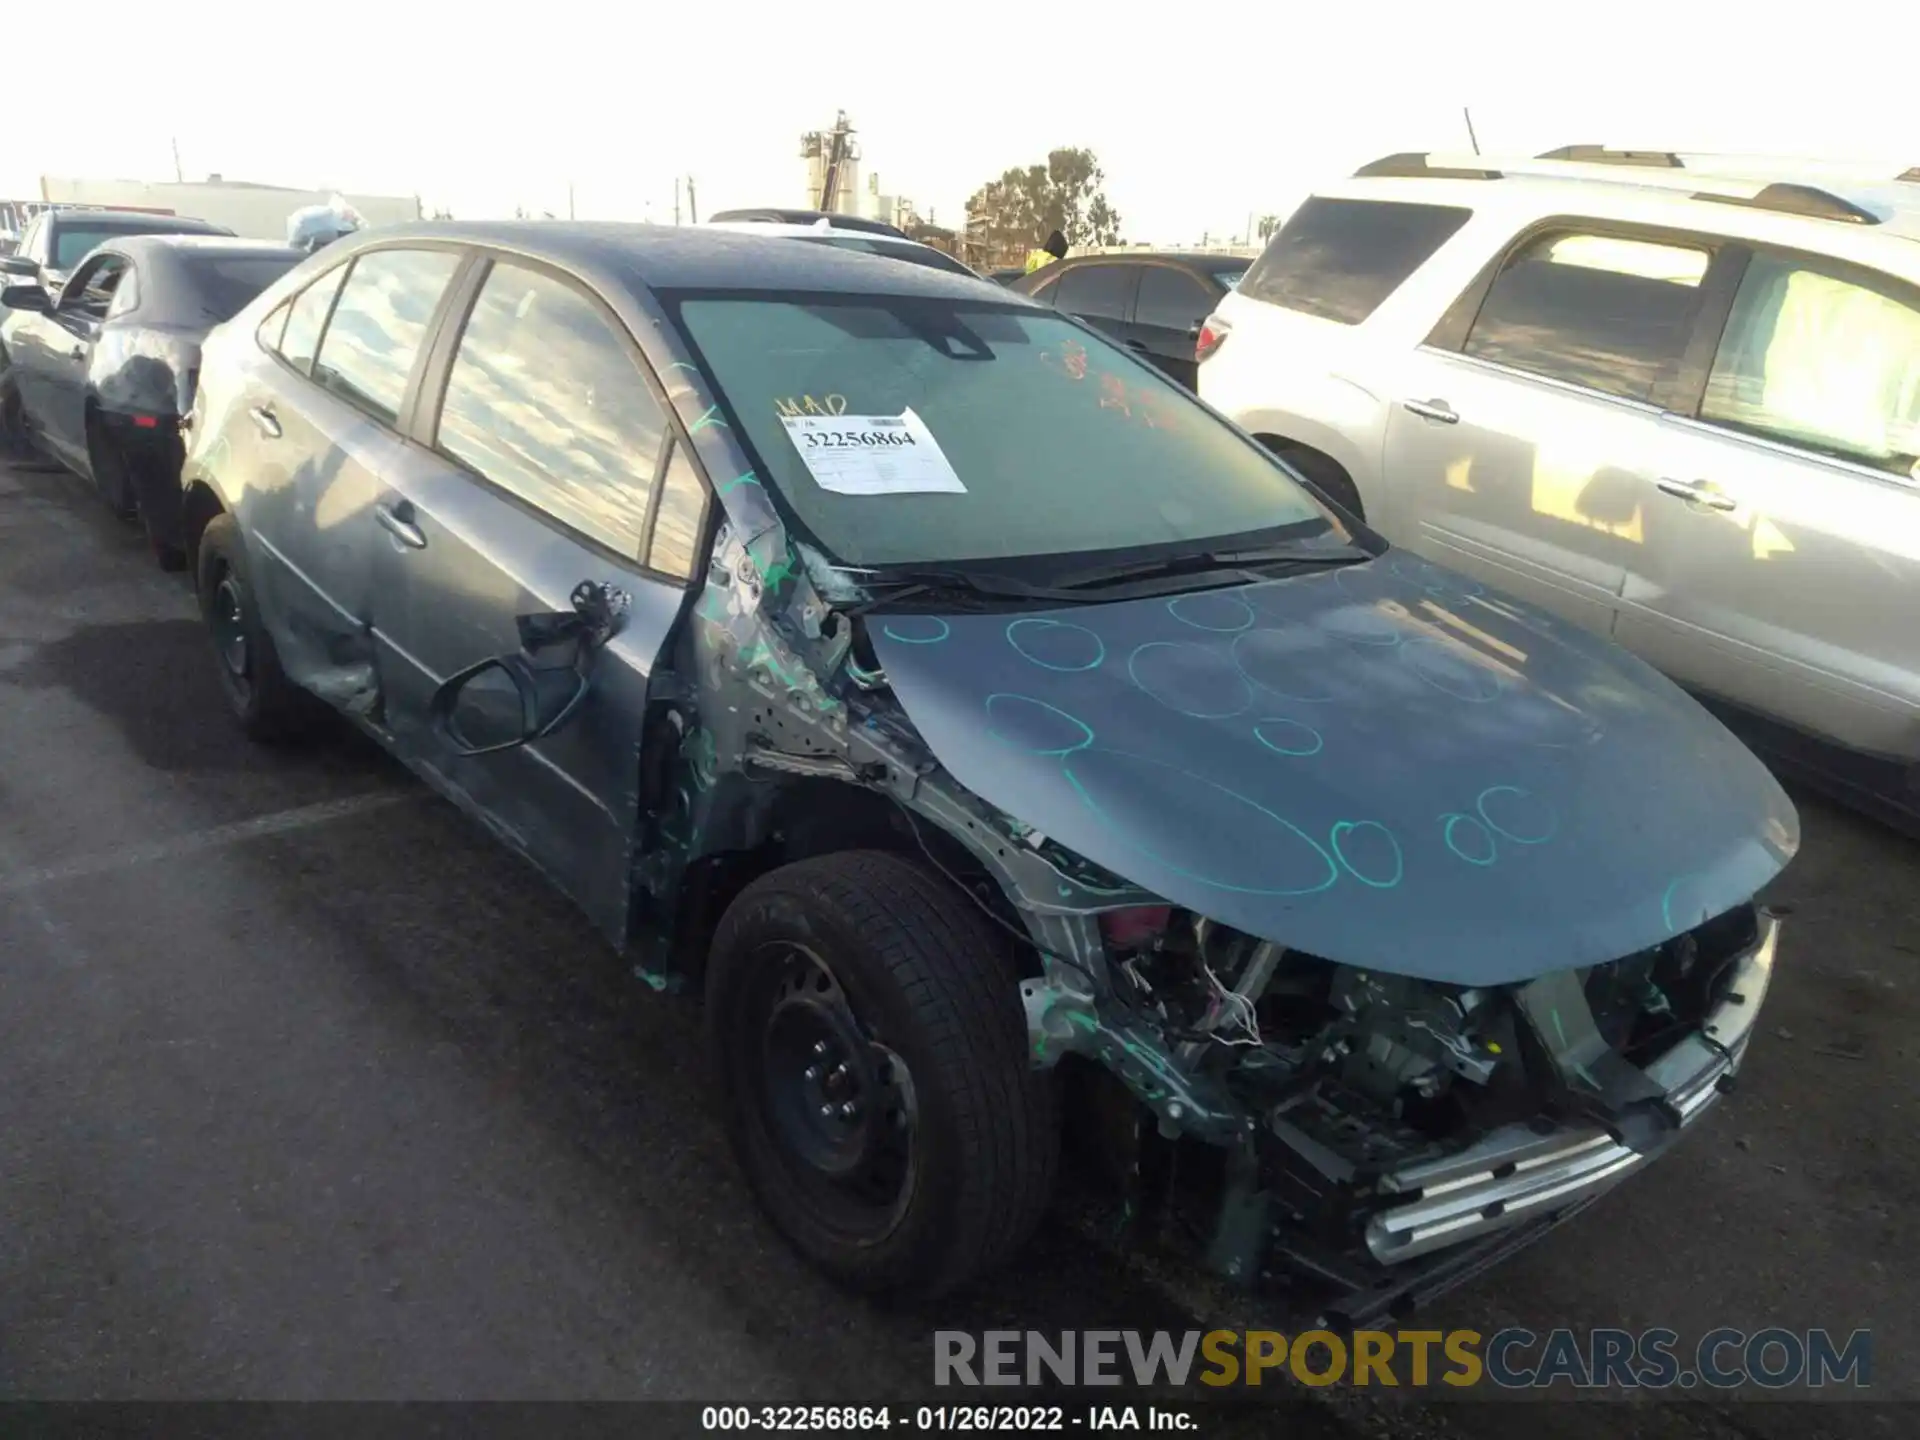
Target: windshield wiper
{"points": [[896, 585], [1202, 562]]}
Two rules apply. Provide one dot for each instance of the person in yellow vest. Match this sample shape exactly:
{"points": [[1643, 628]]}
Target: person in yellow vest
{"points": [[1054, 249]]}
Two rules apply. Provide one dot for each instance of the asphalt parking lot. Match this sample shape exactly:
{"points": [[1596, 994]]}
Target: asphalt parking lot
{"points": [[308, 1090]]}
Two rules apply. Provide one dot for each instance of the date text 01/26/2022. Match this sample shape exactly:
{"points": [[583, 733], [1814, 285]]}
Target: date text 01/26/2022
{"points": [[979, 1419]]}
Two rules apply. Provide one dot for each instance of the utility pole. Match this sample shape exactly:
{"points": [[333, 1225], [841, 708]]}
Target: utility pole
{"points": [[569, 200], [693, 210], [178, 174], [1475, 139], [676, 199]]}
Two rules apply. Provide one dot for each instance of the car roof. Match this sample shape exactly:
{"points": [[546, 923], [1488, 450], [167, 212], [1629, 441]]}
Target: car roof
{"points": [[811, 232], [1206, 262], [133, 220], [752, 257], [1717, 202], [203, 244], [780, 215]]}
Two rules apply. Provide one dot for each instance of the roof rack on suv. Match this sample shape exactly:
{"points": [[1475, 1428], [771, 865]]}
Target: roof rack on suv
{"points": [[1788, 168], [1809, 200], [1757, 191], [1601, 155], [1414, 164]]}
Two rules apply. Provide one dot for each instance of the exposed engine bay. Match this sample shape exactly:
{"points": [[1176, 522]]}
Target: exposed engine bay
{"points": [[1362, 1082]]}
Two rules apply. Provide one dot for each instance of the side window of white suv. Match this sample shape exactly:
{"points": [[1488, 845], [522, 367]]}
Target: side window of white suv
{"points": [[1610, 313], [1823, 359]]}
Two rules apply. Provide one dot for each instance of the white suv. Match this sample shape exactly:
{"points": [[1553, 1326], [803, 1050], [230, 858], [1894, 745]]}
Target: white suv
{"points": [[1673, 399]]}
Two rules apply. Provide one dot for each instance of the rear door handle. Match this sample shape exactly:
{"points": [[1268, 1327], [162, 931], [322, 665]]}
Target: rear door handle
{"points": [[1434, 410], [265, 421], [1697, 492], [397, 520], [78, 352]]}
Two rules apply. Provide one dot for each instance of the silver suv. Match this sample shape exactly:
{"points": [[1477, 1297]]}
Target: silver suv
{"points": [[1675, 399]]}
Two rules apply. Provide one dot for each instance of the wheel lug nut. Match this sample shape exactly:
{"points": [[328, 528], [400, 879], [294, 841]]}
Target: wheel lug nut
{"points": [[826, 1112], [819, 1047], [848, 1110], [813, 1072], [840, 1070]]}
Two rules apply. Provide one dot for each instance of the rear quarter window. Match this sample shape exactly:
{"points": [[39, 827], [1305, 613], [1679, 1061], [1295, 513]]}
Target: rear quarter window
{"points": [[1339, 259]]}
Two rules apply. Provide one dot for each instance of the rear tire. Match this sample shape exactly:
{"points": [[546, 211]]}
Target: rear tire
{"points": [[933, 1158], [110, 474], [267, 705]]}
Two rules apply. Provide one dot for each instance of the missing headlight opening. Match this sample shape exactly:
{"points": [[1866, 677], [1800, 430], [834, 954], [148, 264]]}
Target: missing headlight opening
{"points": [[1393, 1129]]}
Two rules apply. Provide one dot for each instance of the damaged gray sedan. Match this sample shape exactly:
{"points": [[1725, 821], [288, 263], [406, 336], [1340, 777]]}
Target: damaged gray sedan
{"points": [[993, 734]]}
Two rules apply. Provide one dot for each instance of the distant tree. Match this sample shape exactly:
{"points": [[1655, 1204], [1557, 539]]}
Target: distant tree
{"points": [[1014, 214], [1268, 224]]}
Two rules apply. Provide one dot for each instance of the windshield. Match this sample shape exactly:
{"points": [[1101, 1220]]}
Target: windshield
{"points": [[227, 282], [1042, 438], [72, 241], [894, 250]]}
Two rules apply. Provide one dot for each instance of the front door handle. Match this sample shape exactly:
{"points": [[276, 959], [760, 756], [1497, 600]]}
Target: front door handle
{"points": [[1434, 410], [397, 521], [265, 421], [1697, 492], [78, 352]]}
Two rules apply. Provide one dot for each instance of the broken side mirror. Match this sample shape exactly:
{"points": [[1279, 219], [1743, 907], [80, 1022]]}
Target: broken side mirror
{"points": [[504, 702], [26, 297], [508, 700]]}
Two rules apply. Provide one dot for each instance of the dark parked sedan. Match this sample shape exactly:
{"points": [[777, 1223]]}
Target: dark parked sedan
{"points": [[57, 239], [1152, 303], [100, 374]]}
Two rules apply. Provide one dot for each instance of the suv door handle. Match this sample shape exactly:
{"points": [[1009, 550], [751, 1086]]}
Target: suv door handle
{"points": [[265, 421], [397, 521], [1697, 492], [1434, 410]]}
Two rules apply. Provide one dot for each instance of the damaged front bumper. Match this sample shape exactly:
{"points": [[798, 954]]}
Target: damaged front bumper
{"points": [[1516, 1174]]}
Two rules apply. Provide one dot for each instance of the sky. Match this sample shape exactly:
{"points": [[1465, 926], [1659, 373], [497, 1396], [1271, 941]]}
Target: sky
{"points": [[1235, 110]]}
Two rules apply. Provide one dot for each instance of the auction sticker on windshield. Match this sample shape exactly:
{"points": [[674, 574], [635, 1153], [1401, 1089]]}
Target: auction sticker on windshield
{"points": [[873, 454]]}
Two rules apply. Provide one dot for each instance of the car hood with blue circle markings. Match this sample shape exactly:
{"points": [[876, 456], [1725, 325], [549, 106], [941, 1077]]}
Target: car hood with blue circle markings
{"points": [[1383, 764]]}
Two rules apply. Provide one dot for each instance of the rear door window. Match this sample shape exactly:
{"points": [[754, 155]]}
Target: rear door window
{"points": [[1103, 292], [1823, 360], [378, 324], [1610, 313], [546, 400], [1171, 299], [225, 283], [305, 317], [1339, 259]]}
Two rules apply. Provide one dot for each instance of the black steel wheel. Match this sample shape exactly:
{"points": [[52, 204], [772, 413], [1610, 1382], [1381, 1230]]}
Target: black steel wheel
{"points": [[872, 1058], [267, 704]]}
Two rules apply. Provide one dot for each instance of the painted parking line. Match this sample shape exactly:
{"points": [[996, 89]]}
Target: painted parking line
{"points": [[214, 838]]}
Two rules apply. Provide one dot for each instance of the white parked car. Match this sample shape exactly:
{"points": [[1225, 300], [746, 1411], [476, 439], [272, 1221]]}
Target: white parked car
{"points": [[1675, 399]]}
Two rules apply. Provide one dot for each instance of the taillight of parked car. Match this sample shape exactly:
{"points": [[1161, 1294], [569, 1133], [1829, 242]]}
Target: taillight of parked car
{"points": [[1213, 334]]}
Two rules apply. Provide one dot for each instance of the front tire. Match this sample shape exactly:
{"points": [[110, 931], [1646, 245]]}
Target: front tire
{"points": [[871, 1053], [267, 705]]}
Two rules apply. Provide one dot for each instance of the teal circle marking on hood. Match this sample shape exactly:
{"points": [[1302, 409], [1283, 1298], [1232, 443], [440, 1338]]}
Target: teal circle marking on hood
{"points": [[1385, 765]]}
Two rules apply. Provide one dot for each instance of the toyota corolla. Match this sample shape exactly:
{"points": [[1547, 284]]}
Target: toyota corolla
{"points": [[966, 710]]}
